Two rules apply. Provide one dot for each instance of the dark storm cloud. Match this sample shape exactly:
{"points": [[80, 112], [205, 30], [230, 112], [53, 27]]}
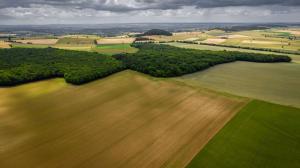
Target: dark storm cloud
{"points": [[132, 5]]}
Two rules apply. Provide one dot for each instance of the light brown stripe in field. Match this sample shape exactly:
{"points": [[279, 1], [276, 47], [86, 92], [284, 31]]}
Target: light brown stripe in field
{"points": [[126, 120]]}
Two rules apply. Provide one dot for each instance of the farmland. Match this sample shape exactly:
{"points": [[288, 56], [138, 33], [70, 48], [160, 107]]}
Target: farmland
{"points": [[21, 45], [211, 98], [76, 41], [110, 49], [125, 120], [277, 83], [115, 40], [78, 44], [270, 38], [296, 58], [4, 44], [21, 65], [39, 41], [260, 135]]}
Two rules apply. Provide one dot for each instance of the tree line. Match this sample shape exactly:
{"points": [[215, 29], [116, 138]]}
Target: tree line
{"points": [[168, 61], [22, 65]]}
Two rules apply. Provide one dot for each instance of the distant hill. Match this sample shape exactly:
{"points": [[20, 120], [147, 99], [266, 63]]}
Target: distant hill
{"points": [[157, 32]]}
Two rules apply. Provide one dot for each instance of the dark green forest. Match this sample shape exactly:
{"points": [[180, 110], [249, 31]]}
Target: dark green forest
{"points": [[157, 32], [22, 65], [167, 61]]}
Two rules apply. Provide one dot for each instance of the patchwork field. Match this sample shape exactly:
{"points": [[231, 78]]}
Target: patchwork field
{"points": [[125, 120], [296, 58], [111, 49], [260, 135], [270, 38], [180, 36], [294, 31], [278, 83]]}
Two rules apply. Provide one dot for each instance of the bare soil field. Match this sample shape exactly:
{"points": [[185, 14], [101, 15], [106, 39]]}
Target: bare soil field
{"points": [[294, 32], [115, 40], [180, 36], [125, 120], [39, 41], [263, 42], [4, 44], [234, 36], [214, 41]]}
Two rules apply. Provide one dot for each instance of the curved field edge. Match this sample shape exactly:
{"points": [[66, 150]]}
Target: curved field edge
{"points": [[18, 66], [261, 135], [295, 58], [125, 120], [276, 83]]}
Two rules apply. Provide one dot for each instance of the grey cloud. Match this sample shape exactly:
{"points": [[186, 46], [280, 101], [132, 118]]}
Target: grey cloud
{"points": [[132, 5]]}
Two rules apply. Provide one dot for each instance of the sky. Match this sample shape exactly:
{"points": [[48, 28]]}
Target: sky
{"points": [[146, 11]]}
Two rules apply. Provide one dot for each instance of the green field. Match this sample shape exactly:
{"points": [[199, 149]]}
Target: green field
{"points": [[76, 41], [278, 83], [111, 49], [261, 135], [296, 58], [20, 45]]}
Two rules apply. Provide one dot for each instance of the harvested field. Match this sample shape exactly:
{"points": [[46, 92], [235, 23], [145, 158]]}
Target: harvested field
{"points": [[188, 33], [180, 36], [4, 44], [115, 40], [126, 120], [264, 42], [192, 39], [214, 41], [39, 41], [294, 32], [234, 36]]}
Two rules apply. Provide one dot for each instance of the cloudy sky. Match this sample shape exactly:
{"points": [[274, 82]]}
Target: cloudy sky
{"points": [[135, 11]]}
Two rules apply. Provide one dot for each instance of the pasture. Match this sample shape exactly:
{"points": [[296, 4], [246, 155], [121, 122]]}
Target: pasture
{"points": [[260, 135], [278, 83], [125, 120], [111, 49]]}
